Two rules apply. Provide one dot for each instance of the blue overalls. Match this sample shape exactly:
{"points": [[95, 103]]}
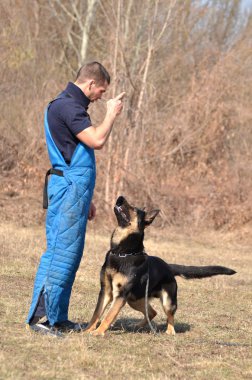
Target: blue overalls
{"points": [[69, 202]]}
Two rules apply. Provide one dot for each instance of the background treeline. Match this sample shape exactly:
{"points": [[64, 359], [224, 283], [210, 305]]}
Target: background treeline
{"points": [[184, 140]]}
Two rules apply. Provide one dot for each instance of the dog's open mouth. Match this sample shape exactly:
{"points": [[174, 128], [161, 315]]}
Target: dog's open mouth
{"points": [[122, 212]]}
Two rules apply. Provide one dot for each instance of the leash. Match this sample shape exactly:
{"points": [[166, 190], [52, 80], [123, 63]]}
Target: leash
{"points": [[146, 304]]}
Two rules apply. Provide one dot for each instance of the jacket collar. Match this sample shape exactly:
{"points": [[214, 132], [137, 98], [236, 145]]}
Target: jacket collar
{"points": [[77, 94]]}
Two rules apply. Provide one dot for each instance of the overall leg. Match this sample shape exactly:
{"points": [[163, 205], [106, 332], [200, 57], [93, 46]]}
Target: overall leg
{"points": [[45, 260], [65, 246]]}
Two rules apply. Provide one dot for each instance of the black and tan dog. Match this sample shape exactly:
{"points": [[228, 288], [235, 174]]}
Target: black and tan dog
{"points": [[127, 267]]}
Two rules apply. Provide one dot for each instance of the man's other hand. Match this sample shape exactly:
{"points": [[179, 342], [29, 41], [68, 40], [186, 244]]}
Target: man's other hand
{"points": [[92, 211]]}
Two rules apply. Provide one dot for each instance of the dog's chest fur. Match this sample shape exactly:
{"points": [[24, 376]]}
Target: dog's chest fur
{"points": [[125, 273]]}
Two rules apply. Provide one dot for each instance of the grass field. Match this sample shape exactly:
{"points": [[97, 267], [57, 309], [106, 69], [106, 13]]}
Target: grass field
{"points": [[213, 320]]}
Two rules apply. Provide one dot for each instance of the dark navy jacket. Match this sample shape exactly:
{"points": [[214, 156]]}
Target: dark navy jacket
{"points": [[66, 118]]}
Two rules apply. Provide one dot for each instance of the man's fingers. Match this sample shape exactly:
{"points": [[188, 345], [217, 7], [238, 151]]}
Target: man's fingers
{"points": [[120, 96], [115, 105]]}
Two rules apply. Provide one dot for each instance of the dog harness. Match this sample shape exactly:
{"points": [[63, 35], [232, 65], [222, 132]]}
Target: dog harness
{"points": [[69, 193]]}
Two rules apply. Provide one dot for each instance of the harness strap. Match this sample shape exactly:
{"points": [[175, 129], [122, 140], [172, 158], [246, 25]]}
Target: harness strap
{"points": [[49, 172]]}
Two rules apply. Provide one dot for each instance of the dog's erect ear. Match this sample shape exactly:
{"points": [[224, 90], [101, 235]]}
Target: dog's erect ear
{"points": [[150, 216]]}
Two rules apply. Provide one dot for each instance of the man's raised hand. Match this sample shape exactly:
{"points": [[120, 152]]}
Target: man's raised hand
{"points": [[115, 105]]}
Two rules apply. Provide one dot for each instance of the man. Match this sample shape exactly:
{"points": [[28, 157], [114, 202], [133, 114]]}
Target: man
{"points": [[71, 139]]}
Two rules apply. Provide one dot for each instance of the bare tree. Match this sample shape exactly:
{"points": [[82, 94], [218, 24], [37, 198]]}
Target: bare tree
{"points": [[76, 18], [185, 129]]}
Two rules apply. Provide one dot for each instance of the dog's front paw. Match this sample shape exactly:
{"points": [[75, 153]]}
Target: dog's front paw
{"points": [[97, 333], [90, 328]]}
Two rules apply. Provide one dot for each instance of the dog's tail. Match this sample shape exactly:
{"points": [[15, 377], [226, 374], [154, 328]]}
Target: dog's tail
{"points": [[199, 272]]}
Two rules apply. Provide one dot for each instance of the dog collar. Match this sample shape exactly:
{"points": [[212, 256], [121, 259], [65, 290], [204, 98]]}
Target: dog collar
{"points": [[128, 254]]}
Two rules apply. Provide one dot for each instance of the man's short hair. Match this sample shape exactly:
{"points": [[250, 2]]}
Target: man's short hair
{"points": [[93, 70]]}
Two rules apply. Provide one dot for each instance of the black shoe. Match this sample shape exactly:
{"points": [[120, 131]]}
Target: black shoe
{"points": [[44, 328], [68, 326]]}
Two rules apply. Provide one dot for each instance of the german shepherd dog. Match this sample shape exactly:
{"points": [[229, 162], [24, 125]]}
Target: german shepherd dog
{"points": [[127, 268]]}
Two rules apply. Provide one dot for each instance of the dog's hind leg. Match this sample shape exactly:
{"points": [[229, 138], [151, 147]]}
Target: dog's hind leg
{"points": [[168, 297], [139, 305]]}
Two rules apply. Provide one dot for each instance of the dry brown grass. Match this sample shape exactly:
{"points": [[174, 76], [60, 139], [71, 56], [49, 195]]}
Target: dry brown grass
{"points": [[213, 320]]}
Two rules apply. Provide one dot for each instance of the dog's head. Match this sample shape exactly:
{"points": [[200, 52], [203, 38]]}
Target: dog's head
{"points": [[128, 215], [131, 222]]}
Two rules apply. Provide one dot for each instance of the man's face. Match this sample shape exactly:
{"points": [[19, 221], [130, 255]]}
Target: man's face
{"points": [[96, 90]]}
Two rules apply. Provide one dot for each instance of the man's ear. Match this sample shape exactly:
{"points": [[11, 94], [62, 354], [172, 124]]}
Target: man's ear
{"points": [[150, 216], [91, 83]]}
